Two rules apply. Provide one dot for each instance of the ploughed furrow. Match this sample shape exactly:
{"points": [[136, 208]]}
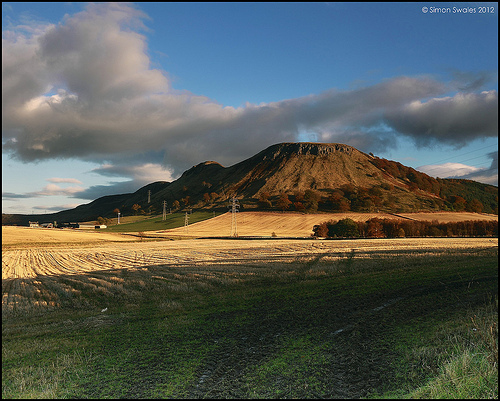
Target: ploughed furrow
{"points": [[98, 260], [43, 265], [18, 300], [61, 263], [6, 291], [73, 263], [20, 265], [41, 262], [9, 262]]}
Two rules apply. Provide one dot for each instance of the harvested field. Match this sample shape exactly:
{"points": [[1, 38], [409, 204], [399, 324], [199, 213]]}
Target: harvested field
{"points": [[449, 217], [96, 315], [20, 264], [298, 224], [28, 237], [226, 318]]}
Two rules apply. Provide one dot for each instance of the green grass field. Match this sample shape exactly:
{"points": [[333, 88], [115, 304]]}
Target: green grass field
{"points": [[420, 324], [155, 223]]}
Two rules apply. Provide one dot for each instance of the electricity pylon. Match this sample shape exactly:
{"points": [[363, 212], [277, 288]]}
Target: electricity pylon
{"points": [[234, 205], [164, 210]]}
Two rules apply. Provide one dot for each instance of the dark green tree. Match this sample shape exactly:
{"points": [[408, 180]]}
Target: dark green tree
{"points": [[347, 228]]}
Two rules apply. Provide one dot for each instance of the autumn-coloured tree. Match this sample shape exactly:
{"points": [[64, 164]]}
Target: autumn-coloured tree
{"points": [[475, 206], [311, 199], [374, 228], [283, 202], [299, 206], [458, 203], [264, 201], [136, 208]]}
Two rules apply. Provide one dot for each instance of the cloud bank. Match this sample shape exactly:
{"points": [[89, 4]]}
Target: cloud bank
{"points": [[487, 175], [85, 89]]}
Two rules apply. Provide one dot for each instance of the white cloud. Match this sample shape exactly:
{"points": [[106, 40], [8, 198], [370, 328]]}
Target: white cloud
{"points": [[84, 89], [447, 170], [486, 175], [65, 180], [53, 190], [147, 172]]}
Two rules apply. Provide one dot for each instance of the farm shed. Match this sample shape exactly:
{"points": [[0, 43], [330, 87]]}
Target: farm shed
{"points": [[92, 226], [86, 226]]}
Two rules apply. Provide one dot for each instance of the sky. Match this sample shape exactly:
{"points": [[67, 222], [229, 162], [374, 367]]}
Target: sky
{"points": [[104, 98]]}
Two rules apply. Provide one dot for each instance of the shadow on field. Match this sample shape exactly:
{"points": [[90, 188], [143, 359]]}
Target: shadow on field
{"points": [[312, 326]]}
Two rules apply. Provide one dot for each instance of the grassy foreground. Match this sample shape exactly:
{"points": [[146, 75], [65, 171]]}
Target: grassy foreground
{"points": [[364, 325]]}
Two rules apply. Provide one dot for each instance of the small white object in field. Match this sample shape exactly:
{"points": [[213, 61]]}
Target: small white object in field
{"points": [[104, 310]]}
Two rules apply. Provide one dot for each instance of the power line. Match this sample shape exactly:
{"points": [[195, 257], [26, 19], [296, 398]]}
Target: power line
{"points": [[463, 161], [463, 154], [452, 170]]}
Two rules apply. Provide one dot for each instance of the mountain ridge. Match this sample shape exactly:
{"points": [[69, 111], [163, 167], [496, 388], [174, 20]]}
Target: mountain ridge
{"points": [[331, 177]]}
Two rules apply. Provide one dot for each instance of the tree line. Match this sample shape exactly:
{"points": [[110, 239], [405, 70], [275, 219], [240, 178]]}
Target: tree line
{"points": [[392, 228]]}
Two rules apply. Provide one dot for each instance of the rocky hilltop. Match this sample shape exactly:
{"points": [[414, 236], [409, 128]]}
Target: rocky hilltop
{"points": [[297, 177]]}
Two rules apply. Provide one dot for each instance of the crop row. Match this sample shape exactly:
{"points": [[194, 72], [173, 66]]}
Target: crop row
{"points": [[40, 279]]}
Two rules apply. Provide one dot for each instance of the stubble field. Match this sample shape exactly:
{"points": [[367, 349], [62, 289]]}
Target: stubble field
{"points": [[300, 224], [102, 317]]}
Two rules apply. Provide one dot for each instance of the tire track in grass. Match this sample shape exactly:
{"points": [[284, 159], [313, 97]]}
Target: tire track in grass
{"points": [[350, 368]]}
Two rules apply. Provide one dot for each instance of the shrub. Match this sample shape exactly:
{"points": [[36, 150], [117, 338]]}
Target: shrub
{"points": [[344, 228]]}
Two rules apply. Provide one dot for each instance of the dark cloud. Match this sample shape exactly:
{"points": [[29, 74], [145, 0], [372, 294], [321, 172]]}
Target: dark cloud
{"points": [[85, 89], [11, 195], [114, 188], [467, 81], [138, 174], [452, 120], [488, 175]]}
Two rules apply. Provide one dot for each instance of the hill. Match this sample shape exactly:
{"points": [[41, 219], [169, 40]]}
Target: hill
{"points": [[300, 177]]}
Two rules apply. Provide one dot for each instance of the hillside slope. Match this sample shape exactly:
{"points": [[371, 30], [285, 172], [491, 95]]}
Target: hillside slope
{"points": [[306, 176]]}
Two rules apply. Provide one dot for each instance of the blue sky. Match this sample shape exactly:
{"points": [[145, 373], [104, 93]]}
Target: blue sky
{"points": [[99, 99]]}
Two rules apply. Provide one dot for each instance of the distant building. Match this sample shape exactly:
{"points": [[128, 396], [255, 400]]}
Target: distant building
{"points": [[68, 225], [86, 226], [33, 223], [47, 225], [92, 226]]}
